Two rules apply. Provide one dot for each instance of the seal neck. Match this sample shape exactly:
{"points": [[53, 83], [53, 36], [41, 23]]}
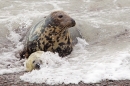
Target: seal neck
{"points": [[55, 30]]}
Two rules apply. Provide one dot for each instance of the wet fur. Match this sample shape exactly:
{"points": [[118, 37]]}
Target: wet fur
{"points": [[52, 36]]}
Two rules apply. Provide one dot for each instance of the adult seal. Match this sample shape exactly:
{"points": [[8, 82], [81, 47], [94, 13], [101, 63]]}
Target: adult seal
{"points": [[50, 34]]}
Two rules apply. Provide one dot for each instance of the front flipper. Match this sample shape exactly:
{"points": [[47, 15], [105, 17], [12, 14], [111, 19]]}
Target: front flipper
{"points": [[74, 33]]}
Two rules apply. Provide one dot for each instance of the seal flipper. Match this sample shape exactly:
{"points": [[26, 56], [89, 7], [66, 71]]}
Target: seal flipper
{"points": [[74, 33]]}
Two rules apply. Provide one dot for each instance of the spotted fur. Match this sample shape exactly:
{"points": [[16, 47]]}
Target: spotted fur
{"points": [[50, 34]]}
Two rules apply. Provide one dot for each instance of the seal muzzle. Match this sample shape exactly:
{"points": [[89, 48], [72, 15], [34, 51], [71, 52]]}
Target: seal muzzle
{"points": [[37, 66], [73, 22]]}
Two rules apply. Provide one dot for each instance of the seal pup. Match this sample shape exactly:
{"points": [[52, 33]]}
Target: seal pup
{"points": [[34, 61]]}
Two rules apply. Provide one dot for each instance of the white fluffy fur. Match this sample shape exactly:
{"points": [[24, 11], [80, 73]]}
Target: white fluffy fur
{"points": [[33, 57]]}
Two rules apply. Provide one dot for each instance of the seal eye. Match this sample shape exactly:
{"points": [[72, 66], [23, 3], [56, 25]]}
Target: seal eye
{"points": [[33, 61], [60, 16]]}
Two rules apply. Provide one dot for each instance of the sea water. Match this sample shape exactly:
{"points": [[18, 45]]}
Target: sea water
{"points": [[103, 53]]}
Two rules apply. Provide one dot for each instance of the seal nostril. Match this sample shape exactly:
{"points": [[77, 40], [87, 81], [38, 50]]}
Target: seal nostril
{"points": [[37, 66], [73, 22]]}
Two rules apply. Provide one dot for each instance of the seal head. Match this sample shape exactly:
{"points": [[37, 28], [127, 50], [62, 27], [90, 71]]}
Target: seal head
{"points": [[59, 19]]}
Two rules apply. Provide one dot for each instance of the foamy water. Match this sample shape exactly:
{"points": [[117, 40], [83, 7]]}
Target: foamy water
{"points": [[104, 24]]}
